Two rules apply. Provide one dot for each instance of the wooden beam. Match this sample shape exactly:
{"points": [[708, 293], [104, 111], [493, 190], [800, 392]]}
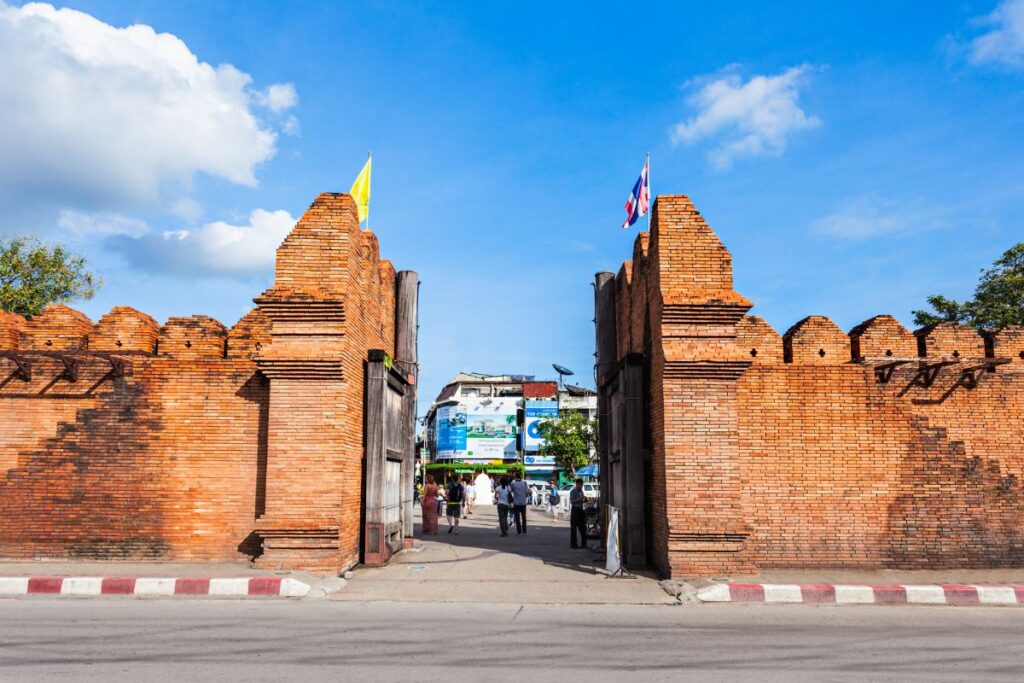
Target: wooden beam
{"points": [[407, 287], [22, 365]]}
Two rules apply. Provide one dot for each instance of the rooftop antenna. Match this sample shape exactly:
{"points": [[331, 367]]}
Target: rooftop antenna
{"points": [[562, 372]]}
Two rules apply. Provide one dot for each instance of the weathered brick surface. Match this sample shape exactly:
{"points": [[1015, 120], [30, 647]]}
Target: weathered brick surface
{"points": [[815, 340], [11, 327], [882, 337], [58, 328], [212, 444], [950, 341], [124, 329], [816, 449]]}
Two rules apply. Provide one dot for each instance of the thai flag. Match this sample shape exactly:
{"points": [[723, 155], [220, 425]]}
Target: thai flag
{"points": [[640, 198]]}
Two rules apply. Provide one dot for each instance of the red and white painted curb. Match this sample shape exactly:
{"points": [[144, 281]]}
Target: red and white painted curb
{"points": [[144, 587], [828, 594]]}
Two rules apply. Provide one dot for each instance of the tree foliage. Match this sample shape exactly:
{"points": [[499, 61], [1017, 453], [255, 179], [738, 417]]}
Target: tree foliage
{"points": [[570, 439], [998, 299], [34, 275]]}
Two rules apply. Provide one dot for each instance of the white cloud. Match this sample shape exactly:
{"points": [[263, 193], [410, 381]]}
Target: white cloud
{"points": [[1004, 43], [278, 97], [750, 118], [98, 117], [187, 208], [100, 224], [867, 217], [217, 248]]}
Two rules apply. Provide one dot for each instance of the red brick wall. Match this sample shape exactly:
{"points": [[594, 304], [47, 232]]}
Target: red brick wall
{"points": [[816, 448], [216, 439], [159, 464]]}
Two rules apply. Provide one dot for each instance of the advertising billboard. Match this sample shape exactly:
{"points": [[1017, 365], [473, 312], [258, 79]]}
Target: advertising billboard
{"points": [[451, 431], [536, 412], [491, 429]]}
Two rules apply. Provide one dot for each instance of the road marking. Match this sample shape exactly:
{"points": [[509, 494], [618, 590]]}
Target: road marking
{"points": [[82, 585], [855, 595], [719, 592], [150, 586], [782, 593], [13, 585], [996, 595], [925, 595], [229, 587]]}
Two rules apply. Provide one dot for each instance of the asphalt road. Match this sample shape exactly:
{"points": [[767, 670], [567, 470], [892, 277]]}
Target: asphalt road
{"points": [[200, 640]]}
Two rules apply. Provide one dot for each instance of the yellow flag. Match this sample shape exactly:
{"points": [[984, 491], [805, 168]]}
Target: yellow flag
{"points": [[361, 191]]}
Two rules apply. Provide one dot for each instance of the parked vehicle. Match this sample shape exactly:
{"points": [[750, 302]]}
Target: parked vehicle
{"points": [[591, 490]]}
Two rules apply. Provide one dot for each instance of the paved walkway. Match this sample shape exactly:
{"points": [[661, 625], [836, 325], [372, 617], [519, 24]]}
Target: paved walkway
{"points": [[478, 565]]}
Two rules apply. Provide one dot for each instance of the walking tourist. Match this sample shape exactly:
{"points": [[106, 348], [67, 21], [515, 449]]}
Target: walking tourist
{"points": [[521, 496], [454, 494], [577, 516], [470, 491], [554, 500], [503, 496], [429, 506]]}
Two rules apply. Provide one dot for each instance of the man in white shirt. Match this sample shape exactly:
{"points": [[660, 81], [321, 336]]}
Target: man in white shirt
{"points": [[521, 496], [470, 496]]}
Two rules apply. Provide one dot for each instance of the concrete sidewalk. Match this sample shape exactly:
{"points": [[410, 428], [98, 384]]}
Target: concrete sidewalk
{"points": [[479, 565]]}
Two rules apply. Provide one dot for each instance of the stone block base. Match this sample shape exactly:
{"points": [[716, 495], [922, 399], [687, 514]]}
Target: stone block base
{"points": [[708, 554], [314, 550]]}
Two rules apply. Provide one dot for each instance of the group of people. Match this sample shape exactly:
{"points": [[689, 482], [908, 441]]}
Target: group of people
{"points": [[453, 498], [512, 496]]}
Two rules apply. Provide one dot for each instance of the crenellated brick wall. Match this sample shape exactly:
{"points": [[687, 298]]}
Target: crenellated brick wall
{"points": [[817, 447], [127, 439]]}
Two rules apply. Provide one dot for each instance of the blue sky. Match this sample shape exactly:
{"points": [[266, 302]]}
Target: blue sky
{"points": [[854, 158]]}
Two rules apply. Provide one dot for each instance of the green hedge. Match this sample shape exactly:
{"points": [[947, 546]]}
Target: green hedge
{"points": [[475, 467]]}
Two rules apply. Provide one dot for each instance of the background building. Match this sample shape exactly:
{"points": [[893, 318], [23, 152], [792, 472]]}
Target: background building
{"points": [[489, 422]]}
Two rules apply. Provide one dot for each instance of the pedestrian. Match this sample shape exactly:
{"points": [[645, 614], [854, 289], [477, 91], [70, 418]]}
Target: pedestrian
{"points": [[470, 496], [416, 488], [554, 499], [454, 495], [577, 516], [429, 505], [503, 496], [521, 496]]}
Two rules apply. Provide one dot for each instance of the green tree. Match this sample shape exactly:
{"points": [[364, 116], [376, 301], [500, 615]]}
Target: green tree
{"points": [[998, 299], [569, 438], [34, 275]]}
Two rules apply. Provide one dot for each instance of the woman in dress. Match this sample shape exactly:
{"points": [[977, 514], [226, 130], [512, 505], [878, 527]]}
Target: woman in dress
{"points": [[429, 505]]}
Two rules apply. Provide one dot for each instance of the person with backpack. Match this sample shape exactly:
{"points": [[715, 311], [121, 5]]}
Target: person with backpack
{"points": [[554, 500], [577, 516], [454, 494], [521, 496], [503, 497]]}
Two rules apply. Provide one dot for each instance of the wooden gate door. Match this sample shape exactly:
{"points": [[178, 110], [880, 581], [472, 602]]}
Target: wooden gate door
{"points": [[622, 453], [388, 468]]}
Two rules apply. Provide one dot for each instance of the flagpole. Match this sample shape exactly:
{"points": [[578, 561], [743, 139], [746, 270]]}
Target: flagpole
{"points": [[650, 209], [369, 158]]}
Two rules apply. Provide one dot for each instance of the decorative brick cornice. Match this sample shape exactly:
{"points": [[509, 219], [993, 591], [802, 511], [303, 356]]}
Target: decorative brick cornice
{"points": [[302, 310], [703, 313], [306, 368], [706, 369]]}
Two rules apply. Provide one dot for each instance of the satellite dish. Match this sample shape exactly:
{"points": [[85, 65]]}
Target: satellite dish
{"points": [[562, 372]]}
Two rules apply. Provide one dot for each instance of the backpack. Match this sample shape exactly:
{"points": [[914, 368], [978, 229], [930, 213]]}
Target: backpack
{"points": [[455, 492], [554, 497]]}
